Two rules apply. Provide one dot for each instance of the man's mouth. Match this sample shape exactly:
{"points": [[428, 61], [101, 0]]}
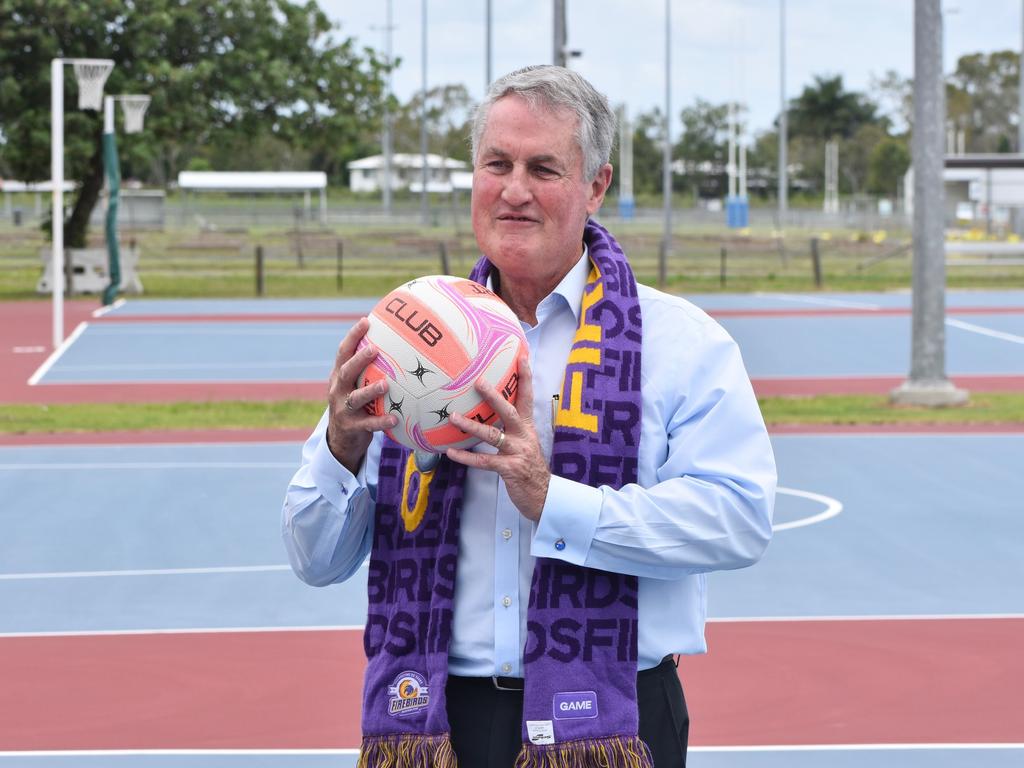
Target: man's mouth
{"points": [[513, 217]]}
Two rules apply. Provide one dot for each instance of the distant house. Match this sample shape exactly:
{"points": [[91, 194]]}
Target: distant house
{"points": [[443, 173], [981, 189]]}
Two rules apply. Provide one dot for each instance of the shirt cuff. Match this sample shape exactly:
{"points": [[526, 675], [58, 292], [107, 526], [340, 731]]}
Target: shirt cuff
{"points": [[332, 478], [567, 521]]}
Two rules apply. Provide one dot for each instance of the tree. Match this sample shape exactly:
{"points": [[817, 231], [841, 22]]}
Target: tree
{"points": [[703, 145], [216, 72], [825, 110], [648, 140], [981, 99], [450, 111], [895, 95], [887, 164]]}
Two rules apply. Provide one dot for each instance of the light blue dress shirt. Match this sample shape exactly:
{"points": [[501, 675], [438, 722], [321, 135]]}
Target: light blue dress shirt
{"points": [[703, 500]]}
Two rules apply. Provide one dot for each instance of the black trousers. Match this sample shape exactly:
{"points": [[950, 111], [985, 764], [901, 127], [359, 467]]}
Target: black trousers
{"points": [[487, 723]]}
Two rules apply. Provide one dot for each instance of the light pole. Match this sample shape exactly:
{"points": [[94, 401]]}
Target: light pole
{"points": [[666, 155], [91, 74], [1020, 90], [487, 47], [424, 207], [928, 385], [386, 140], [783, 122]]}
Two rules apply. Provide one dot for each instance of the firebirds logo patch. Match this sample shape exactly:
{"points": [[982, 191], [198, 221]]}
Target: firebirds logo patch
{"points": [[409, 694]]}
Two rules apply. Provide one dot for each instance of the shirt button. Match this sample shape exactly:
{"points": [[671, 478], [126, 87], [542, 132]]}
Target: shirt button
{"points": [[506, 667], [559, 544], [506, 601], [506, 534]]}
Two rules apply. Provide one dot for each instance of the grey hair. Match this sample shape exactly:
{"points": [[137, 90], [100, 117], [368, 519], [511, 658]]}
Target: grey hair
{"points": [[557, 88]]}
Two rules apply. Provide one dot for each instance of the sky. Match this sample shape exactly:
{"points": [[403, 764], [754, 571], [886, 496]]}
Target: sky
{"points": [[720, 49]]}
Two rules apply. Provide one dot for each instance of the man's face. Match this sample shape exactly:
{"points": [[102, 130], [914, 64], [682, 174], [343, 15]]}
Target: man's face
{"points": [[530, 200]]}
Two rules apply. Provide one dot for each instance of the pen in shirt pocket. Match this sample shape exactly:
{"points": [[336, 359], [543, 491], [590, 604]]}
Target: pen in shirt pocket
{"points": [[554, 407]]}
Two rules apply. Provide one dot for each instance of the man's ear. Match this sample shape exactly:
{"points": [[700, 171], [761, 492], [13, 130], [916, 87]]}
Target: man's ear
{"points": [[598, 188]]}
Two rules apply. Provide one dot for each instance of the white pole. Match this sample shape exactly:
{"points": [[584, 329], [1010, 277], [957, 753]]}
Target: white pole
{"points": [[743, 170], [386, 183], [108, 114], [666, 169], [57, 178], [731, 165], [424, 208], [783, 132], [487, 47]]}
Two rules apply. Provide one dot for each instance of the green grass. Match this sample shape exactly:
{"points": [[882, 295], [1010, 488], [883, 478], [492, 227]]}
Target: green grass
{"points": [[89, 417], [983, 408], [184, 262]]}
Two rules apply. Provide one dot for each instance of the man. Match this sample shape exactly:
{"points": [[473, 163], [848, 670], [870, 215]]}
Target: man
{"points": [[578, 533]]}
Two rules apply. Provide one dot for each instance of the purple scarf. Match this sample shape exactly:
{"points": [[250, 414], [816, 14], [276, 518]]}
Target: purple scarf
{"points": [[580, 656]]}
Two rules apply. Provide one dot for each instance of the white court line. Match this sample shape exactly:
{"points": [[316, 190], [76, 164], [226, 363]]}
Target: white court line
{"points": [[341, 751], [232, 366], [185, 631], [361, 627], [980, 329], [222, 328], [859, 747], [48, 363], [875, 617], [174, 752], [832, 508], [822, 301], [93, 465], [109, 308], [141, 572]]}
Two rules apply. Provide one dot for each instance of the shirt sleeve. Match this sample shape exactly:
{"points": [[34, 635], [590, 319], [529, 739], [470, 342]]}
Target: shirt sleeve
{"points": [[708, 502], [327, 518]]}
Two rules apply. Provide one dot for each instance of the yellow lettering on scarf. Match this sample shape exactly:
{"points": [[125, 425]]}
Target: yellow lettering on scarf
{"points": [[573, 415], [413, 517], [590, 331], [570, 412]]}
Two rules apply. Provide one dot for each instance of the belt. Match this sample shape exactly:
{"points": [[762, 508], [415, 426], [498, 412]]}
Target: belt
{"points": [[508, 683], [518, 684]]}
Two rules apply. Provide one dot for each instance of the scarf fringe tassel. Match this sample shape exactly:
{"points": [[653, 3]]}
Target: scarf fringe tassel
{"points": [[406, 751], [611, 752]]}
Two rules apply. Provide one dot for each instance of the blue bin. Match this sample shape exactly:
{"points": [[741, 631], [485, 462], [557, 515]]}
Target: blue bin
{"points": [[737, 212]]}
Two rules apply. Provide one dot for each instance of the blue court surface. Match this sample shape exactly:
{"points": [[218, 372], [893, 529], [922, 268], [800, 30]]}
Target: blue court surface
{"points": [[782, 336], [125, 543]]}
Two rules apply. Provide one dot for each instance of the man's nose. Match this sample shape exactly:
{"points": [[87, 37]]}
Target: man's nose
{"points": [[517, 191]]}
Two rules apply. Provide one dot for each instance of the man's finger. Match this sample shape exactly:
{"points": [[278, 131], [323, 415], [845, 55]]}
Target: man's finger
{"points": [[356, 364], [348, 344], [472, 459], [506, 411], [474, 428], [524, 387], [360, 397]]}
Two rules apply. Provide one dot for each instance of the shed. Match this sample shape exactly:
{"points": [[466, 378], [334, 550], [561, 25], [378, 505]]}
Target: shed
{"points": [[259, 182]]}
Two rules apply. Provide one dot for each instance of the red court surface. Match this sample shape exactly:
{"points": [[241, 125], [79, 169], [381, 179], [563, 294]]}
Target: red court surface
{"points": [[892, 681]]}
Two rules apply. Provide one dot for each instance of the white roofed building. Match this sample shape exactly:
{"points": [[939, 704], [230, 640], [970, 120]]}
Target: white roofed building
{"points": [[270, 182], [443, 173]]}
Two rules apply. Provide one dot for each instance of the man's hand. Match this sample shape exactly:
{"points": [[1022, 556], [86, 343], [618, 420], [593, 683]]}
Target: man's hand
{"points": [[519, 460], [350, 428]]}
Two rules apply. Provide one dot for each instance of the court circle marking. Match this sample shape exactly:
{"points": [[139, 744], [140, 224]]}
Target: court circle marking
{"points": [[832, 508]]}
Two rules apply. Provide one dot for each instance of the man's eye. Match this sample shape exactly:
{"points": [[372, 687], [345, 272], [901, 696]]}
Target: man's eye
{"points": [[496, 165], [544, 171]]}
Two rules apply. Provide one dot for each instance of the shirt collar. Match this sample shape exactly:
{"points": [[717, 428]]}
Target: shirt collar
{"points": [[570, 288]]}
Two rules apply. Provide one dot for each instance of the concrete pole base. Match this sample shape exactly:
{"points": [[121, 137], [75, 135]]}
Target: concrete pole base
{"points": [[928, 394]]}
